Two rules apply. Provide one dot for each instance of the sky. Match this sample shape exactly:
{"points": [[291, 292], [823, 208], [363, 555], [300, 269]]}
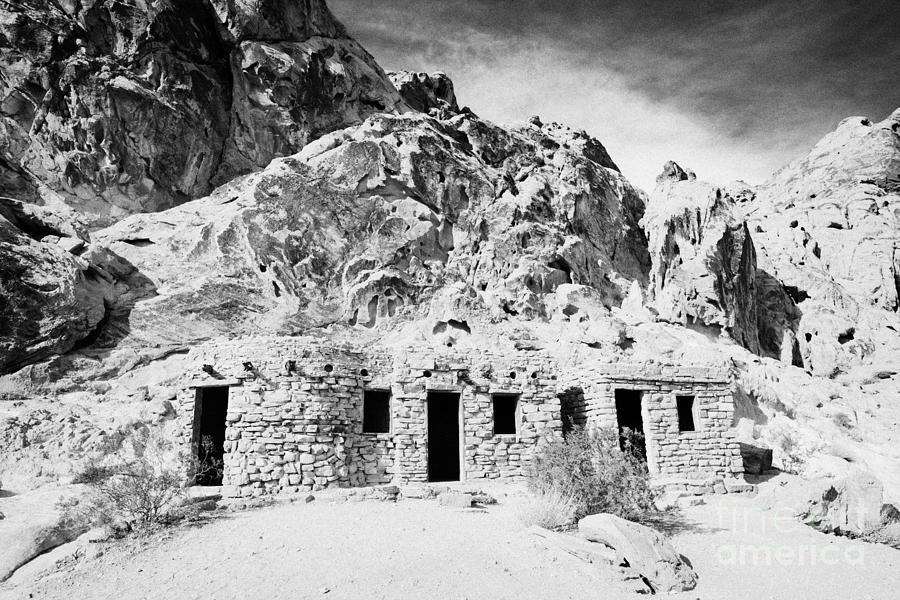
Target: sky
{"points": [[731, 89]]}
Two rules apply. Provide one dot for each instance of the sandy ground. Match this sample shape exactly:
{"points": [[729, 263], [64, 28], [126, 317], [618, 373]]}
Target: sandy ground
{"points": [[418, 549]]}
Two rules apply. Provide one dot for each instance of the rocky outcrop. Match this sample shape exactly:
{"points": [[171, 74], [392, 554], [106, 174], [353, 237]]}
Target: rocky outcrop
{"points": [[644, 550], [426, 92], [56, 289], [126, 108], [287, 94], [367, 226], [825, 227], [704, 262]]}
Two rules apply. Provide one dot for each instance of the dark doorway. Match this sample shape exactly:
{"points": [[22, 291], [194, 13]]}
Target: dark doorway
{"points": [[572, 409], [210, 408], [628, 414], [443, 436]]}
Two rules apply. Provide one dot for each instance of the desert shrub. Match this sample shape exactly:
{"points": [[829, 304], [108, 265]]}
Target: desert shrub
{"points": [[92, 474], [589, 467], [140, 486], [208, 467], [549, 508], [791, 456]]}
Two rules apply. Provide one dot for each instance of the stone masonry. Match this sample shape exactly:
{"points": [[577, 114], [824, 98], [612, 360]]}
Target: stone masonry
{"points": [[294, 417], [302, 430]]}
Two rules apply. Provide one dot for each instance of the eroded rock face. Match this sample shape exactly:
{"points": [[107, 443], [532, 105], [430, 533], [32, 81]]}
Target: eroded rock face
{"points": [[287, 94], [134, 107], [367, 226], [704, 262], [56, 289], [426, 92], [826, 227]]}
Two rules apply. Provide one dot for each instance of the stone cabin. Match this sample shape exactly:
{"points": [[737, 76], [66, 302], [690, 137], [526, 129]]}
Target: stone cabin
{"points": [[290, 415]]}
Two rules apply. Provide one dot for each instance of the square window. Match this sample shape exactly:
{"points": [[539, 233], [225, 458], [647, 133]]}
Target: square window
{"points": [[685, 413], [376, 411], [505, 421]]}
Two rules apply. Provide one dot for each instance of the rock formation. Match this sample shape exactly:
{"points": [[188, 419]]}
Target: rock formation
{"points": [[126, 108], [368, 225], [425, 92], [704, 262], [826, 227]]}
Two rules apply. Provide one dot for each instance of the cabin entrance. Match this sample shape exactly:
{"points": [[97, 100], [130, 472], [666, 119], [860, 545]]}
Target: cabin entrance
{"points": [[443, 436], [628, 415], [210, 408]]}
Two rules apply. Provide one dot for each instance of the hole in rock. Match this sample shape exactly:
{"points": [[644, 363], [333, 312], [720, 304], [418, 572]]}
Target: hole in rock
{"points": [[834, 225], [364, 372], [461, 325], [796, 294], [277, 290], [329, 368], [794, 224], [262, 268], [426, 373], [139, 242], [847, 336], [562, 265]]}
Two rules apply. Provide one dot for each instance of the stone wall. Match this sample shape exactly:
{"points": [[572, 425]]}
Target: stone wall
{"points": [[295, 412], [301, 429], [710, 450]]}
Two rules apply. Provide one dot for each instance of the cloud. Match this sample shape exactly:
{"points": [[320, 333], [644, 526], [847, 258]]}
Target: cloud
{"points": [[731, 89]]}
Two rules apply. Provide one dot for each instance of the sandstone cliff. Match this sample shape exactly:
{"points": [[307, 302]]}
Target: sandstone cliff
{"points": [[133, 107]]}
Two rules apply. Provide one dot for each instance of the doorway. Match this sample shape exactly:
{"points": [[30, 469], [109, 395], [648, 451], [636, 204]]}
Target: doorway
{"points": [[628, 415], [443, 436], [210, 408]]}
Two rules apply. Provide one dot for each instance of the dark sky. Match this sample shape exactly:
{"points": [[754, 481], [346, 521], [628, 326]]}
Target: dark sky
{"points": [[730, 89]]}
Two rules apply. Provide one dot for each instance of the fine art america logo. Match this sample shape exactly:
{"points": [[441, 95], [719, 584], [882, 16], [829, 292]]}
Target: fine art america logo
{"points": [[782, 541]]}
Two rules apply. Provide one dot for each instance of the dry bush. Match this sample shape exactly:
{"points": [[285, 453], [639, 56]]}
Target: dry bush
{"points": [[549, 508], [589, 467], [140, 486]]}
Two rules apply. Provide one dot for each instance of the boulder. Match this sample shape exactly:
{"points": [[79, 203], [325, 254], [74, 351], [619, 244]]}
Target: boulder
{"points": [[455, 500], [852, 505], [33, 526], [645, 550], [756, 460]]}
